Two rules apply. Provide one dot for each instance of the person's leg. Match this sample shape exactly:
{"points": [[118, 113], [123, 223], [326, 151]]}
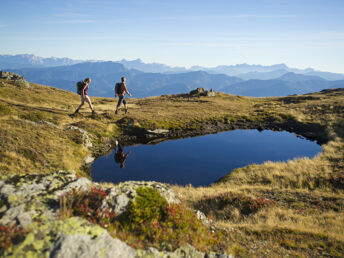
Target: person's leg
{"points": [[125, 105], [88, 100], [118, 104], [82, 103]]}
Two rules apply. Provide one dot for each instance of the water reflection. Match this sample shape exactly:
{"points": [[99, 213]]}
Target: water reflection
{"points": [[119, 156], [199, 160]]}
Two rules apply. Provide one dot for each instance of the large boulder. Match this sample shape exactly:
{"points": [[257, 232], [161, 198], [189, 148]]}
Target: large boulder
{"points": [[23, 197], [202, 92], [73, 237]]}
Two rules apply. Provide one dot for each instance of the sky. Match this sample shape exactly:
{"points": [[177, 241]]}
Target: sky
{"points": [[299, 33]]}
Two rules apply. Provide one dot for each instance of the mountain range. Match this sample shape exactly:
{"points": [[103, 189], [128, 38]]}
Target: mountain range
{"points": [[157, 79]]}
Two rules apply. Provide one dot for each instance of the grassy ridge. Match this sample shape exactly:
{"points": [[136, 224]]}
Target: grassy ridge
{"points": [[304, 215]]}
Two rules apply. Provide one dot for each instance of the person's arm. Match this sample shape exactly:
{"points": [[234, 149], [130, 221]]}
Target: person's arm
{"points": [[126, 90]]}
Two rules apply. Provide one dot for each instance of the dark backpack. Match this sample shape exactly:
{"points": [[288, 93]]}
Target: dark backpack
{"points": [[79, 87], [118, 88]]}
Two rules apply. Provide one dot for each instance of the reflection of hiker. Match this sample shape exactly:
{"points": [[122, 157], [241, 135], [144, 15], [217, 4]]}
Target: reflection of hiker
{"points": [[120, 91], [83, 91], [119, 155]]}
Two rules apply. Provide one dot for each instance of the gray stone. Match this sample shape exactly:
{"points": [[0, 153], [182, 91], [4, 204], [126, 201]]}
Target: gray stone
{"points": [[25, 219], [116, 201], [18, 79], [201, 217], [86, 139], [85, 246], [89, 160], [202, 92], [10, 216], [211, 93], [81, 184], [158, 131], [197, 91]]}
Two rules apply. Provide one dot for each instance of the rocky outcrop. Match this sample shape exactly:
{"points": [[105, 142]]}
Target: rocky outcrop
{"points": [[202, 92], [72, 237], [25, 197], [32, 202], [18, 79]]}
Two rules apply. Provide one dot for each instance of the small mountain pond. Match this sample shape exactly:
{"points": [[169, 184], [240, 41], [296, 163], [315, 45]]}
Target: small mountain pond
{"points": [[199, 161]]}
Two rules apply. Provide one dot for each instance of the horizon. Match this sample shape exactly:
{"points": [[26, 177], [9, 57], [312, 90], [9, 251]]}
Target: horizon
{"points": [[186, 67], [301, 34]]}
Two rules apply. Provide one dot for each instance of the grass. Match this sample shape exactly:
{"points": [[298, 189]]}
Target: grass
{"points": [[304, 215]]}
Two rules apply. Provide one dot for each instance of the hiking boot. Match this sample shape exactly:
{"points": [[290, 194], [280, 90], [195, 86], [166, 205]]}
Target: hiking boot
{"points": [[126, 111], [116, 112], [94, 112]]}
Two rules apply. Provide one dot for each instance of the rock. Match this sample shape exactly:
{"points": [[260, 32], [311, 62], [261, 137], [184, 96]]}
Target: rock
{"points": [[201, 217], [116, 201], [84, 246], [86, 139], [25, 219], [197, 91], [73, 237], [202, 92], [14, 77], [81, 184], [158, 131], [211, 93], [118, 197], [29, 196], [89, 160], [49, 123]]}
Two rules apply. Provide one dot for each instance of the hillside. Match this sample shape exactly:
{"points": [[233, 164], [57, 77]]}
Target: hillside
{"points": [[293, 208]]}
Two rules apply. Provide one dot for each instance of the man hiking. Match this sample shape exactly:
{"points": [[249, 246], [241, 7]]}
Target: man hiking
{"points": [[120, 91], [84, 95]]}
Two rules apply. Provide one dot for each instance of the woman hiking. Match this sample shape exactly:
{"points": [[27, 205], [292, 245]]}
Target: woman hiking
{"points": [[120, 91], [85, 97]]}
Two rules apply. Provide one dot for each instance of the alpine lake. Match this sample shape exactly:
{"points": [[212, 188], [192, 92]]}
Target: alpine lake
{"points": [[199, 161]]}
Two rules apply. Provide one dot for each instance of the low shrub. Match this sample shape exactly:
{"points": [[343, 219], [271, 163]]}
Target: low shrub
{"points": [[88, 205], [154, 222], [10, 235], [148, 221]]}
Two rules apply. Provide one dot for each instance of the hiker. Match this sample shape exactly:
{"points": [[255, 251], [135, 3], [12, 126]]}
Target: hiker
{"points": [[120, 91], [119, 155], [83, 91]]}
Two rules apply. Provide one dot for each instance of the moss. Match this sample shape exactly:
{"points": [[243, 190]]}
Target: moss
{"points": [[41, 237]]}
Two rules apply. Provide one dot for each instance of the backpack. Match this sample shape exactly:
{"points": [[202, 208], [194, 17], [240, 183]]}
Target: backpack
{"points": [[79, 86], [118, 88]]}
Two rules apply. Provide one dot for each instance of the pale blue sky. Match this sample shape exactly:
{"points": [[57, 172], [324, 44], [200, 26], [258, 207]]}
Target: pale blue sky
{"points": [[300, 33]]}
